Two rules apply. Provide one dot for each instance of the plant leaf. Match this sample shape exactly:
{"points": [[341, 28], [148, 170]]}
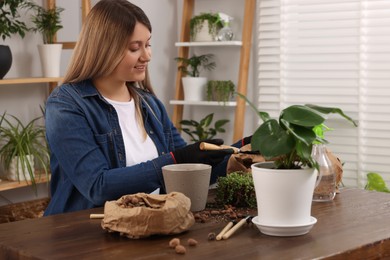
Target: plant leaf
{"points": [[271, 140], [375, 182]]}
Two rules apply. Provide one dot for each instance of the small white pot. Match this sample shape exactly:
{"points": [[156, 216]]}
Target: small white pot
{"points": [[50, 55], [194, 88], [284, 197], [204, 34], [15, 171]]}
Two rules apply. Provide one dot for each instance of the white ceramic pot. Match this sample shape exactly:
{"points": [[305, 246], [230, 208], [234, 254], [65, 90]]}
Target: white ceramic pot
{"points": [[194, 88], [17, 172], [50, 55], [203, 35], [284, 197]]}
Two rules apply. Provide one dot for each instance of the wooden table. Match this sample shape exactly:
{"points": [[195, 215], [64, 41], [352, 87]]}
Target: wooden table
{"points": [[356, 225]]}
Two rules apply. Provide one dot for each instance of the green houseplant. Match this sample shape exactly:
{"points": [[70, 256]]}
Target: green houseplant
{"points": [[289, 139], [194, 85], [22, 144], [192, 66], [203, 130], [48, 23], [284, 186], [10, 24], [220, 90], [206, 23]]}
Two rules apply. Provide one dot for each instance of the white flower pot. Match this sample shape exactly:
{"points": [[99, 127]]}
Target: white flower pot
{"points": [[16, 171], [194, 88], [203, 35], [50, 55], [284, 198]]}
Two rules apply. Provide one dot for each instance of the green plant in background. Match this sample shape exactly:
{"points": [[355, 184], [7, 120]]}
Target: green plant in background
{"points": [[220, 90], [47, 21], [236, 189], [192, 66], [201, 130], [375, 182], [289, 140], [9, 18], [214, 20], [21, 141]]}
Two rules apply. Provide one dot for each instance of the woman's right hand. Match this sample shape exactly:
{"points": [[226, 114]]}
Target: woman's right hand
{"points": [[193, 154]]}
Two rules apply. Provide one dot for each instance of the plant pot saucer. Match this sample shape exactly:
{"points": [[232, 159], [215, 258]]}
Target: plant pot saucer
{"points": [[284, 230]]}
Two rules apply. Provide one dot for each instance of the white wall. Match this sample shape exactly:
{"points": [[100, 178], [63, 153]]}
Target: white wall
{"points": [[165, 15]]}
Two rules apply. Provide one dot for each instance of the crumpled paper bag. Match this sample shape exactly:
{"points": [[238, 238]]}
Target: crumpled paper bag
{"points": [[141, 215], [242, 162]]}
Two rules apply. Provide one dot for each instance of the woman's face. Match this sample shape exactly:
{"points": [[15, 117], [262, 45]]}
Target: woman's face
{"points": [[137, 56]]}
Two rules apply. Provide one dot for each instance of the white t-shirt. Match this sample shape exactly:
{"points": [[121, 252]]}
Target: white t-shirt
{"points": [[137, 149]]}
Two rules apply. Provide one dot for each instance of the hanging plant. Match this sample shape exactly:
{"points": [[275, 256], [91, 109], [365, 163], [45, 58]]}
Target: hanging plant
{"points": [[220, 90], [213, 19]]}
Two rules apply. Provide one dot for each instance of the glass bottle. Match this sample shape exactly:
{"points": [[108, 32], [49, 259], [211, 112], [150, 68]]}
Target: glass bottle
{"points": [[326, 182], [226, 33]]}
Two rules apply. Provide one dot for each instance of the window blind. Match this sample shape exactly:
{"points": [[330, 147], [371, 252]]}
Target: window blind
{"points": [[331, 53]]}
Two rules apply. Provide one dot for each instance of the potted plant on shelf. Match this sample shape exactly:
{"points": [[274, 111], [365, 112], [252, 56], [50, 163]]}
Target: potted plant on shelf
{"points": [[194, 85], [205, 27], [285, 184], [202, 130], [10, 24], [220, 90], [48, 23], [20, 146]]}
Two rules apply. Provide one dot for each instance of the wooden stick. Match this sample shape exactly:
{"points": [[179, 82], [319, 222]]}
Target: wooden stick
{"points": [[224, 230], [235, 228], [97, 216], [212, 147]]}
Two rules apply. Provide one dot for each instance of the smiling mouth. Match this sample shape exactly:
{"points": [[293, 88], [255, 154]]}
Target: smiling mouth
{"points": [[141, 67]]}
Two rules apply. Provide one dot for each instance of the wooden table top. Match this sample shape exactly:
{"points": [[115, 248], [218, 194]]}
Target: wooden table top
{"points": [[356, 225]]}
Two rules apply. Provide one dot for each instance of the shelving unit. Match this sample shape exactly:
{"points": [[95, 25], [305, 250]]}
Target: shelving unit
{"points": [[243, 70], [9, 185], [51, 82]]}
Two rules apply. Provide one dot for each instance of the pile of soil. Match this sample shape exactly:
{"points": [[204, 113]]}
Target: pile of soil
{"points": [[216, 213], [23, 210]]}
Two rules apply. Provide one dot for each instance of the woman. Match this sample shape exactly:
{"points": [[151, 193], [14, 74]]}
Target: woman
{"points": [[108, 133]]}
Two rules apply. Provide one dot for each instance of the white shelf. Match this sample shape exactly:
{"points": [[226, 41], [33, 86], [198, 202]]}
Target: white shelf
{"points": [[216, 43], [203, 103]]}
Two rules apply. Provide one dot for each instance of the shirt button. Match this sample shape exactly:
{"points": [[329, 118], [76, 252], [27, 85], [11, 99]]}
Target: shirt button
{"points": [[163, 153], [151, 132]]}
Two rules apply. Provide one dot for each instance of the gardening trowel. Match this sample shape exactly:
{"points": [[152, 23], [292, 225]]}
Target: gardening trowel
{"points": [[209, 147]]}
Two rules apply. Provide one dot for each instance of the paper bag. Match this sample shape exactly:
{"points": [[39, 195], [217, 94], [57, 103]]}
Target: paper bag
{"points": [[242, 162], [141, 215]]}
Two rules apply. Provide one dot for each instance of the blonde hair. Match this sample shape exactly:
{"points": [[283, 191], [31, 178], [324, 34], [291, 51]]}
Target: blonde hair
{"points": [[102, 43]]}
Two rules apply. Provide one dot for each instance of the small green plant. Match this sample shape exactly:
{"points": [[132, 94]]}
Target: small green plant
{"points": [[201, 130], [21, 141], [192, 66], [47, 21], [375, 182], [214, 20], [220, 90], [236, 189], [9, 18], [289, 139]]}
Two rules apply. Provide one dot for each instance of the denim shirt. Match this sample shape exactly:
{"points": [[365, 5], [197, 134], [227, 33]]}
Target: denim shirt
{"points": [[88, 161]]}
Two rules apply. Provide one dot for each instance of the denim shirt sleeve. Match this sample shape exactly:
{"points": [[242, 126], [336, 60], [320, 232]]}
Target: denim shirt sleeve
{"points": [[85, 150]]}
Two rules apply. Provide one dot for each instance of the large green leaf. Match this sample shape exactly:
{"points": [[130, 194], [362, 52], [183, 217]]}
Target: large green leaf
{"points": [[328, 110], [303, 134], [301, 115], [271, 140]]}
